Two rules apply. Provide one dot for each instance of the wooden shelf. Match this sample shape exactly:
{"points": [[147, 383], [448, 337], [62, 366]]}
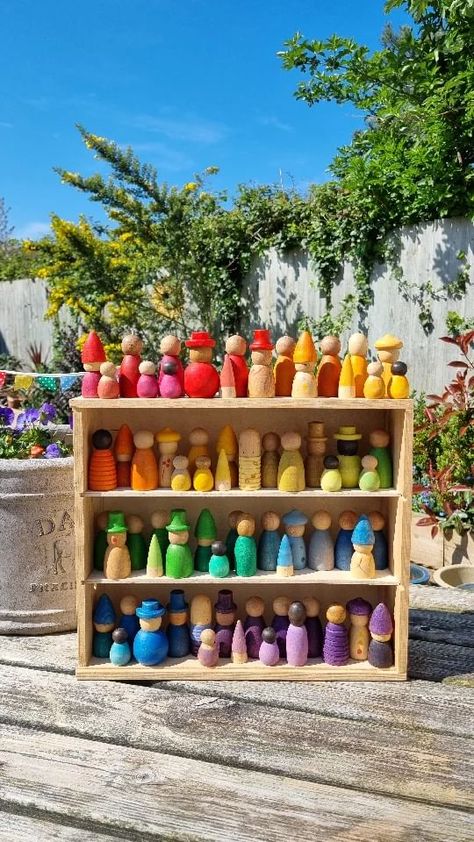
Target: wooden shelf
{"points": [[263, 493], [237, 404], [262, 577]]}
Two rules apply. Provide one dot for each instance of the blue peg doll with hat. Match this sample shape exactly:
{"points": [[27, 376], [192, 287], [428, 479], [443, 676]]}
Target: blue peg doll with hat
{"points": [[150, 646], [179, 639], [295, 523], [104, 623]]}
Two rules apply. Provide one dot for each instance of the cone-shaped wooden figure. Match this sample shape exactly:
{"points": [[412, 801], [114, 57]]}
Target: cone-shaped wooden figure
{"points": [[294, 523], [249, 460], [219, 563], [227, 380], [159, 521], [202, 478], [269, 653], [92, 355], [380, 653], [316, 448], [205, 533], [329, 368], [232, 536], [129, 368], [239, 645], [313, 627], [102, 474], [147, 385], [171, 374], [284, 369], [379, 447], [117, 561], [281, 622], [374, 386], [270, 460], [269, 542], [100, 540], [223, 479], [167, 441], [398, 386], [200, 618], [199, 441], [254, 625], [154, 562], [284, 562], [380, 550], [201, 379], [336, 637], [291, 466], [227, 440], [208, 653], [362, 560], [180, 478], [108, 387], [359, 611], [321, 545], [261, 383], [369, 479], [236, 348], [136, 542], [388, 351], [245, 549], [343, 548], [346, 388], [144, 468], [225, 609], [179, 559], [297, 636], [103, 620], [358, 347], [304, 357], [123, 452], [128, 619], [331, 479]]}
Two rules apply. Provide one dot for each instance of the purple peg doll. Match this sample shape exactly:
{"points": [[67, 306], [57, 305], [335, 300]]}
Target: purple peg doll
{"points": [[336, 638], [208, 653], [269, 654], [297, 636], [313, 627], [225, 622], [380, 652], [254, 625], [281, 622]]}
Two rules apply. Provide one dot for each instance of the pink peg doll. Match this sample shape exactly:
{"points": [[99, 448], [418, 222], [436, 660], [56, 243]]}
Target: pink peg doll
{"points": [[171, 376]]}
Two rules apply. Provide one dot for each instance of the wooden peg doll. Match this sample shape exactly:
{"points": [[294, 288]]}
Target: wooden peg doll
{"points": [[236, 348], [398, 385], [227, 441], [269, 653], [128, 619], [232, 536], [123, 452], [239, 645], [202, 478], [179, 641], [270, 460], [208, 652], [180, 478], [92, 355], [154, 561], [102, 474], [249, 460], [329, 368], [321, 545], [117, 561], [269, 542], [245, 549], [346, 388], [201, 379], [254, 625], [200, 618], [316, 448], [284, 369], [343, 548], [380, 550], [374, 386], [205, 533], [219, 563], [304, 357], [159, 521], [281, 622], [363, 540], [100, 540], [136, 542], [108, 387], [223, 481], [144, 468], [147, 384], [103, 621], [380, 441], [225, 609], [358, 347], [347, 439], [294, 523], [388, 351], [171, 374], [179, 560], [129, 368], [199, 441], [261, 383], [150, 646], [369, 479], [313, 627], [284, 561], [297, 636], [291, 466], [167, 441], [331, 479], [380, 653], [120, 652], [359, 611], [227, 380], [336, 637]]}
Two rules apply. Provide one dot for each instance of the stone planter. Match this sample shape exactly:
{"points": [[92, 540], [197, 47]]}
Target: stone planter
{"points": [[37, 571], [445, 549]]}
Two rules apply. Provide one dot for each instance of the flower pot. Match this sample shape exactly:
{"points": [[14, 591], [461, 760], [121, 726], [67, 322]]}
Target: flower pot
{"points": [[445, 549], [37, 571], [456, 576]]}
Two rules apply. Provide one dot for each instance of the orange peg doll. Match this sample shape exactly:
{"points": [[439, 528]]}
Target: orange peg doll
{"points": [[123, 452], [358, 347], [102, 471], [284, 369], [144, 471], [329, 367]]}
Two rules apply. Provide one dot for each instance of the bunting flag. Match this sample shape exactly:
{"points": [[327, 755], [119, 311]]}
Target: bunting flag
{"points": [[67, 381], [47, 382], [51, 381], [3, 378], [22, 381]]}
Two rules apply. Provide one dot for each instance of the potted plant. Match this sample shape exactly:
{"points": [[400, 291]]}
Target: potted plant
{"points": [[37, 580], [444, 467]]}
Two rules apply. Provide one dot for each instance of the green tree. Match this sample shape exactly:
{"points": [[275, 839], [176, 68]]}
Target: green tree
{"points": [[14, 261]]}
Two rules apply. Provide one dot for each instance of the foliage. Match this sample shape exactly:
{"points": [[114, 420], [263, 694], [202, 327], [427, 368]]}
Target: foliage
{"points": [[14, 261], [28, 436]]}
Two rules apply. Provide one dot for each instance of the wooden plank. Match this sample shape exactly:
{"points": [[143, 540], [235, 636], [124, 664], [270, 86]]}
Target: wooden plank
{"points": [[214, 496], [262, 577], [431, 598], [20, 828], [238, 404], [138, 794], [424, 766]]}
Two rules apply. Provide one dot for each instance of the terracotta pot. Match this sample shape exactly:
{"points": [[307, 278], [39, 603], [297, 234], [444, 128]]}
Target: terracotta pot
{"points": [[37, 572]]}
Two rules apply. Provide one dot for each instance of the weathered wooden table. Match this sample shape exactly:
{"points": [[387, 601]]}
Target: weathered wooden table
{"points": [[242, 761]]}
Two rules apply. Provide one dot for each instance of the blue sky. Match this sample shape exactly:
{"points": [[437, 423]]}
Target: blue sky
{"points": [[187, 84]]}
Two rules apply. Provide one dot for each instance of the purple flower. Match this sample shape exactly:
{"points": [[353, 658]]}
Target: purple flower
{"points": [[52, 451], [47, 412], [6, 416], [27, 418]]}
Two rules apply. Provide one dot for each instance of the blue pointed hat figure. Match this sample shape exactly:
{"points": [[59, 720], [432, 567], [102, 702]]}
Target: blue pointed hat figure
{"points": [[177, 603], [363, 533], [285, 555], [104, 613]]}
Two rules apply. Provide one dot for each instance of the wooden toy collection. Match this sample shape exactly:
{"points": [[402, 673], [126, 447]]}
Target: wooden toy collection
{"points": [[254, 557]]}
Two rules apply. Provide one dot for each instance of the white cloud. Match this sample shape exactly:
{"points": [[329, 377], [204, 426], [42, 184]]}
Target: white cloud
{"points": [[32, 231], [190, 128], [161, 155], [275, 123]]}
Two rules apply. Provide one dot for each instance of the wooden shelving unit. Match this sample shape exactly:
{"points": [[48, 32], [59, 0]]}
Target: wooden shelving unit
{"points": [[279, 415]]}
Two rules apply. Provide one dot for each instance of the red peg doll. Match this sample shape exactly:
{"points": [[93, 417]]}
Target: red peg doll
{"points": [[92, 356], [236, 348], [201, 379], [129, 369]]}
